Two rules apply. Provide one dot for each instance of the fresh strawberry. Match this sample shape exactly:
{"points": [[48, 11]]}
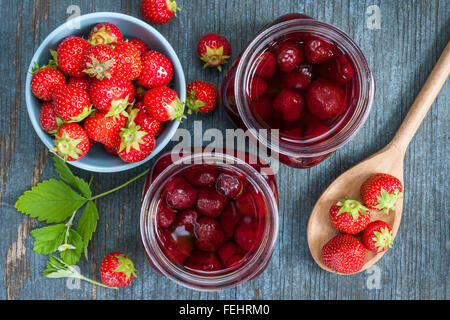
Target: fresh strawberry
{"points": [[71, 142], [289, 56], [203, 261], [349, 216], [112, 149], [338, 69], [80, 82], [298, 79], [112, 96], [318, 50], [135, 144], [129, 63], [265, 64], [381, 191], [344, 253], [48, 119], [140, 45], [256, 89], [214, 50], [142, 118], [70, 55], [103, 128], [289, 104], [44, 82], [105, 33], [117, 270], [163, 104], [201, 96], [100, 61], [325, 100], [71, 104], [378, 236], [140, 91], [159, 11], [157, 70]]}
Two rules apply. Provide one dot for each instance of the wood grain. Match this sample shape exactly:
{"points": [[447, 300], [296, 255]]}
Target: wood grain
{"points": [[401, 55]]}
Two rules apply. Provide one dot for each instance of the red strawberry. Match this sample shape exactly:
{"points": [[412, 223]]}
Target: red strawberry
{"points": [[142, 118], [135, 144], [129, 63], [157, 70], [289, 56], [201, 96], [105, 33], [140, 45], [163, 104], [214, 50], [80, 82], [229, 219], [44, 82], [209, 234], [381, 191], [230, 185], [248, 233], [203, 261], [338, 69], [262, 108], [159, 11], [140, 91], [70, 55], [71, 142], [112, 95], [186, 219], [318, 50], [100, 61], [344, 253], [117, 270], [256, 89], [315, 130], [202, 175], [349, 216], [71, 104], [236, 261], [378, 236], [176, 247], [324, 99], [226, 251], [164, 215], [210, 203], [179, 194], [298, 79], [103, 128], [289, 104], [112, 148], [266, 64], [48, 119]]}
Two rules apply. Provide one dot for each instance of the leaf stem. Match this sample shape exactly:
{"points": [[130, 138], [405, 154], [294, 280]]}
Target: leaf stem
{"points": [[93, 282], [119, 187]]}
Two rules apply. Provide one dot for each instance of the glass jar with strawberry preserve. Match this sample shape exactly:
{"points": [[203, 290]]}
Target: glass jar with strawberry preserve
{"points": [[307, 79], [209, 221]]}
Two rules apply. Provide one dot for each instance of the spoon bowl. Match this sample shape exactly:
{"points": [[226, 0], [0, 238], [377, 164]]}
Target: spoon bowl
{"points": [[389, 160]]}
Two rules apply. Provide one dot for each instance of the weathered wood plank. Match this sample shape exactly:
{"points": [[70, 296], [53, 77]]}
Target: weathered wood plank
{"points": [[401, 54]]}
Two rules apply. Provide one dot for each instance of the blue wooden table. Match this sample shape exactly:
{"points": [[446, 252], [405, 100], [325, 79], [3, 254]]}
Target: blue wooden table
{"points": [[401, 53]]}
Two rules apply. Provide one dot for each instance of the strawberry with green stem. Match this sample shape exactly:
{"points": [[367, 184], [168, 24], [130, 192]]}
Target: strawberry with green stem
{"points": [[117, 270], [135, 143], [159, 11], [381, 191], [201, 97], [105, 33], [100, 62], [163, 104], [349, 216], [378, 236], [46, 78], [103, 128], [70, 54], [71, 104], [112, 96], [71, 142], [48, 119], [214, 50]]}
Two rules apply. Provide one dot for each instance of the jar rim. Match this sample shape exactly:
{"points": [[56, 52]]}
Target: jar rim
{"points": [[363, 76], [214, 280]]}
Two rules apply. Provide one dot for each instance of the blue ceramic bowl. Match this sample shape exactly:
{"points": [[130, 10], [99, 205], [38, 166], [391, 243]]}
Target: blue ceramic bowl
{"points": [[97, 159]]}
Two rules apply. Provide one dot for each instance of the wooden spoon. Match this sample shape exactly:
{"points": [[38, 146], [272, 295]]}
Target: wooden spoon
{"points": [[388, 160]]}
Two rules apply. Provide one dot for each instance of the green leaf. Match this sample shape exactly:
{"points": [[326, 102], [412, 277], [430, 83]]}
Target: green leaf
{"points": [[56, 268], [72, 256], [87, 224], [52, 201], [66, 174], [48, 239]]}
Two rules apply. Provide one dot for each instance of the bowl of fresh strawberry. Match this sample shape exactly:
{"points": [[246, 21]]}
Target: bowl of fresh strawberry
{"points": [[107, 96]]}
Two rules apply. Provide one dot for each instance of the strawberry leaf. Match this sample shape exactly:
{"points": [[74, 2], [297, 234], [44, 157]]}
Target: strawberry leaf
{"points": [[66, 174], [71, 256], [87, 224], [52, 201], [48, 239]]}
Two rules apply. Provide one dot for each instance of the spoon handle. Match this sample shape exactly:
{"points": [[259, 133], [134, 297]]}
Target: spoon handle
{"points": [[423, 102]]}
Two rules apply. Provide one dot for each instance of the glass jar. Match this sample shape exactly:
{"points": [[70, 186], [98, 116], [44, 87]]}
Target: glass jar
{"points": [[299, 153], [170, 165]]}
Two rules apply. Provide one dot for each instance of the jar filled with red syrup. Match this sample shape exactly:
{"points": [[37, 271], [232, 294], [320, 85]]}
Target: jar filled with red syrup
{"points": [[307, 80], [209, 221]]}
